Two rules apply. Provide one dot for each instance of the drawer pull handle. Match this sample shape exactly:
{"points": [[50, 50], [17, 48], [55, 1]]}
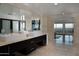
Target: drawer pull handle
{"points": [[32, 41], [32, 48]]}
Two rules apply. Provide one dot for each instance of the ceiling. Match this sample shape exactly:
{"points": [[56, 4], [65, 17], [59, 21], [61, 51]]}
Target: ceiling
{"points": [[60, 11], [51, 9]]}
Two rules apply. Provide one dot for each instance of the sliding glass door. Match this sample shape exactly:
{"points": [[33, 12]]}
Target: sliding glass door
{"points": [[59, 39], [68, 39], [63, 33]]}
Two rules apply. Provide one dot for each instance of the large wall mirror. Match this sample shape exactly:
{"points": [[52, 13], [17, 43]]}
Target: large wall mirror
{"points": [[10, 26], [22, 26]]}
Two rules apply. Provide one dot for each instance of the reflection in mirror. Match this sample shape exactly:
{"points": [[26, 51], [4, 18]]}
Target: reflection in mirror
{"points": [[15, 26], [35, 25], [22, 26], [10, 26]]}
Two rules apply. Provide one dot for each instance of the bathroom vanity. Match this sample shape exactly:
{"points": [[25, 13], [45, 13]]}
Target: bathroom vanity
{"points": [[21, 42]]}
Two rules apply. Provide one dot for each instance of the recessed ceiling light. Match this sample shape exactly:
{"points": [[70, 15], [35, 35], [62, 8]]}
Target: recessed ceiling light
{"points": [[27, 4], [55, 3], [63, 13]]}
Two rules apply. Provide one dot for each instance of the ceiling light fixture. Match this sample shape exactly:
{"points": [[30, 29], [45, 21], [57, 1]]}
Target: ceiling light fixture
{"points": [[63, 13], [27, 4], [55, 3]]}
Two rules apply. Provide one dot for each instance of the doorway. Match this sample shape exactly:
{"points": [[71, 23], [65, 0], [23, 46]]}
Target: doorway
{"points": [[63, 33]]}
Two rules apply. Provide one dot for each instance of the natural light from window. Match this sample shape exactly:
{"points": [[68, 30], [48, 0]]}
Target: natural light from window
{"points": [[58, 25], [69, 25]]}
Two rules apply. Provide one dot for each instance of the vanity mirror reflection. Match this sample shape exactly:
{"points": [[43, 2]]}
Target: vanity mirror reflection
{"points": [[11, 26], [35, 25]]}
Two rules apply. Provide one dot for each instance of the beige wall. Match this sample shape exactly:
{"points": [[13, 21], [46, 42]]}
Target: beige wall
{"points": [[50, 28], [44, 23], [47, 26], [76, 31]]}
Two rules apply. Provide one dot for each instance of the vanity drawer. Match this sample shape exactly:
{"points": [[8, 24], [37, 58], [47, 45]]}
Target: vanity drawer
{"points": [[29, 49], [19, 45], [28, 44], [38, 39], [4, 50]]}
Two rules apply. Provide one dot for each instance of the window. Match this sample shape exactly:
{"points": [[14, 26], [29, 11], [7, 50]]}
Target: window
{"points": [[58, 28], [69, 25], [59, 39], [58, 25], [68, 39], [64, 33]]}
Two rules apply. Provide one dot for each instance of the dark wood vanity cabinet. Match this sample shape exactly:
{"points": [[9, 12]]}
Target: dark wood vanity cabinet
{"points": [[4, 50], [34, 43], [24, 47]]}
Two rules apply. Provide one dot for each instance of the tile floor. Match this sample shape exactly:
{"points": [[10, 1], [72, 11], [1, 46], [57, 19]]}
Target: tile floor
{"points": [[53, 49]]}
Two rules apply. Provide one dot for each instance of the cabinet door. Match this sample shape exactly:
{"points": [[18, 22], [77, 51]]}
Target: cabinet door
{"points": [[15, 26], [4, 50]]}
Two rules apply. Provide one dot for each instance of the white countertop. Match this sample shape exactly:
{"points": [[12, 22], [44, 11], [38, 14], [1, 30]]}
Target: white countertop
{"points": [[6, 39]]}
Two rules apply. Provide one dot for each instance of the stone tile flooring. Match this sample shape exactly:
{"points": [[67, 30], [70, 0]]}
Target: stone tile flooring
{"points": [[53, 49]]}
